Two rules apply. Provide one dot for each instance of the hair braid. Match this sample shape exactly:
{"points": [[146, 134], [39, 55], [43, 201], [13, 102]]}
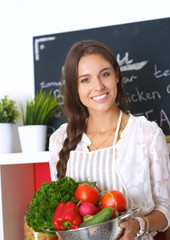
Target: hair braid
{"points": [[74, 135]]}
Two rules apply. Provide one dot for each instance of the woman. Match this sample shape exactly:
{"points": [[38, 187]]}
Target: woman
{"points": [[101, 143]]}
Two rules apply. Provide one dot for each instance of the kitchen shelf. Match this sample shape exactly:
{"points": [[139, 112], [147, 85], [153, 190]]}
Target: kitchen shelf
{"points": [[24, 158]]}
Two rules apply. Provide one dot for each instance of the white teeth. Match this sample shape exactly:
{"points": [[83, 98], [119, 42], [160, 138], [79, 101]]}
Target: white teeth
{"points": [[99, 97]]}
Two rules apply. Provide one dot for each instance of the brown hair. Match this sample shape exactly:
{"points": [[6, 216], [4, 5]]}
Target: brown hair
{"points": [[73, 108]]}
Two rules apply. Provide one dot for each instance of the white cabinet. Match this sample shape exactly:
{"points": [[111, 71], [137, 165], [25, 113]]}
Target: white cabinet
{"points": [[16, 189]]}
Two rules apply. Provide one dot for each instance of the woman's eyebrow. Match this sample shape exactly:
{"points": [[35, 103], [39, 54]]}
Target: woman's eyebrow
{"points": [[104, 69], [84, 75]]}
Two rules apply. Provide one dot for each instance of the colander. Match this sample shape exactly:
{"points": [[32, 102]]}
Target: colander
{"points": [[108, 230]]}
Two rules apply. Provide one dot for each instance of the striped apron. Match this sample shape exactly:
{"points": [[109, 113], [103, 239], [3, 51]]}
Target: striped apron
{"points": [[99, 166]]}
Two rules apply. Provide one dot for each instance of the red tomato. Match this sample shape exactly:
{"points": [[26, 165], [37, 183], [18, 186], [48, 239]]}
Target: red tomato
{"points": [[87, 193], [114, 199], [100, 207]]}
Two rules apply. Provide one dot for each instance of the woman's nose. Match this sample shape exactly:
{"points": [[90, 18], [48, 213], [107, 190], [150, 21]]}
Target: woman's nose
{"points": [[98, 84]]}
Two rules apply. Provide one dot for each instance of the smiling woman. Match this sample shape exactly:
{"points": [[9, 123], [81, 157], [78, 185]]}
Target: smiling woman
{"points": [[103, 144]]}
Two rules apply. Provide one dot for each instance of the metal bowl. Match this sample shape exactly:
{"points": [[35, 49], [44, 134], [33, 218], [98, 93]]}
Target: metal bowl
{"points": [[108, 230]]}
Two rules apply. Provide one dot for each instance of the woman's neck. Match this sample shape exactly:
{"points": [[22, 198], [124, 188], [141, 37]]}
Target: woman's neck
{"points": [[99, 122]]}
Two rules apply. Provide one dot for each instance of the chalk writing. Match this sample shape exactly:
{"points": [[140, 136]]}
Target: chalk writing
{"points": [[42, 46], [168, 88], [140, 96], [164, 118], [57, 93], [129, 79], [128, 65], [125, 60], [147, 113], [36, 46], [58, 114], [160, 73], [50, 84], [134, 66]]}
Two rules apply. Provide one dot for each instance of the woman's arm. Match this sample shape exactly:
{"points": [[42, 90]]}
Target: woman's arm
{"points": [[159, 218], [156, 220]]}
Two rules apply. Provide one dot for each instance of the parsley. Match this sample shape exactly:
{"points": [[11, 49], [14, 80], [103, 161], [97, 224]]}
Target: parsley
{"points": [[42, 207]]}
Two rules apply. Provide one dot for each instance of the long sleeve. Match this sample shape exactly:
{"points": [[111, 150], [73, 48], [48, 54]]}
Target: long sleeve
{"points": [[160, 174], [55, 145], [144, 152]]}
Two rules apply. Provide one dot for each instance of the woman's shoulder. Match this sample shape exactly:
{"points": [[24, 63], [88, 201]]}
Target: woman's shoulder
{"points": [[59, 135], [147, 127]]}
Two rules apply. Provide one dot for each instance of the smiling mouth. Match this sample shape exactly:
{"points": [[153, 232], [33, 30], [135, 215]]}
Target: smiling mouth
{"points": [[98, 98]]}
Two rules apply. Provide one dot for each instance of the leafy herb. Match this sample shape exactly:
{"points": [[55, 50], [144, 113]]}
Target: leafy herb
{"points": [[8, 111], [45, 200]]}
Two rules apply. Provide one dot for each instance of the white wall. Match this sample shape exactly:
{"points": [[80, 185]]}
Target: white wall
{"points": [[20, 20]]}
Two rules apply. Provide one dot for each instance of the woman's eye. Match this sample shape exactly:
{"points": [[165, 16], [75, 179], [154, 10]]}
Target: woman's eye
{"points": [[105, 74], [84, 80]]}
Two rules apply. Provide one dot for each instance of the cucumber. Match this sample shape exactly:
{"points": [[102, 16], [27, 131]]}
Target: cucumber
{"points": [[104, 215]]}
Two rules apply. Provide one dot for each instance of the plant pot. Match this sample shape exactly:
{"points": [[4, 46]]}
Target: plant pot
{"points": [[32, 138], [5, 138]]}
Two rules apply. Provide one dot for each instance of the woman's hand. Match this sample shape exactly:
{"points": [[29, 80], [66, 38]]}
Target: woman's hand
{"points": [[157, 221], [130, 228]]}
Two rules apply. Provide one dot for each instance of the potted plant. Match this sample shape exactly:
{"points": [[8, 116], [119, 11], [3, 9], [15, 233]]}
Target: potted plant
{"points": [[9, 114], [38, 111]]}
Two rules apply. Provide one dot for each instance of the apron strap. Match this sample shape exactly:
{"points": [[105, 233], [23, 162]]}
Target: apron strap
{"points": [[122, 181], [117, 169], [117, 128]]}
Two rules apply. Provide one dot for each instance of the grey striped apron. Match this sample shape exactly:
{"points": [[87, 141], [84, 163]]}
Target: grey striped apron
{"points": [[99, 166]]}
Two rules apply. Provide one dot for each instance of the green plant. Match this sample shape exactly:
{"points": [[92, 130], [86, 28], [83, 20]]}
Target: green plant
{"points": [[8, 111], [40, 108]]}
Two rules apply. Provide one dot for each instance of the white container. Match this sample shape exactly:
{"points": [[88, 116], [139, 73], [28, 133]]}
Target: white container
{"points": [[5, 138], [32, 138]]}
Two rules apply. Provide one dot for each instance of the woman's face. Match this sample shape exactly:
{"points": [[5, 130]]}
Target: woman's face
{"points": [[97, 83]]}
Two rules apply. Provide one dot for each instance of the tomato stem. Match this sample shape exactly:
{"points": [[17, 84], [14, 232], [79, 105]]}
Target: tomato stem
{"points": [[79, 203], [94, 184]]}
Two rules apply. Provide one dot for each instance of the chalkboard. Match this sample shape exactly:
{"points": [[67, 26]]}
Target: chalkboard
{"points": [[143, 52]]}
